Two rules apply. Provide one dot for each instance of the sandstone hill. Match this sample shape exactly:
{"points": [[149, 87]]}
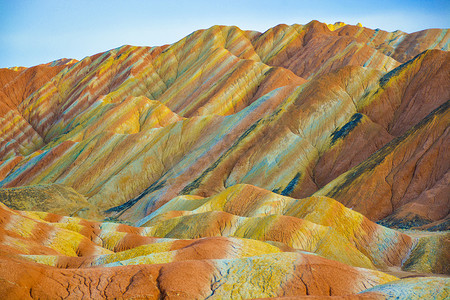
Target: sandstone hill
{"points": [[306, 161]]}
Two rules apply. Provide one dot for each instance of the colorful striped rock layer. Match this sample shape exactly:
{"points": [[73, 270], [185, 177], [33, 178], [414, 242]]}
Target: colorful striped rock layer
{"points": [[305, 162]]}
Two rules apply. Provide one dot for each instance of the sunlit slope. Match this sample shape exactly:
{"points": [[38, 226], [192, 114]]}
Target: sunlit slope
{"points": [[84, 258], [316, 224], [288, 110], [80, 258]]}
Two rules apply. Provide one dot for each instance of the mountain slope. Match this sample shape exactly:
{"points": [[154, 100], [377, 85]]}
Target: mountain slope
{"points": [[255, 165]]}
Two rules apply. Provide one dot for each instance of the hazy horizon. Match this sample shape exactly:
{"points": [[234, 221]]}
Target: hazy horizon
{"points": [[35, 32]]}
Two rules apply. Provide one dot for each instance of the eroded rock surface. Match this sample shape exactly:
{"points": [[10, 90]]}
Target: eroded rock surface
{"points": [[287, 163]]}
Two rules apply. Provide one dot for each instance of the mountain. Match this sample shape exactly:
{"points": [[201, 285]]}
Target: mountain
{"points": [[305, 160]]}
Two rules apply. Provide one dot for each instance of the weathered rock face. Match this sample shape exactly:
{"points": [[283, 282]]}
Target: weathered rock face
{"points": [[256, 164]]}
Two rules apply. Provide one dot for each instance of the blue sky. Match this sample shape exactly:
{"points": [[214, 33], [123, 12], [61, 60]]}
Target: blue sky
{"points": [[39, 31]]}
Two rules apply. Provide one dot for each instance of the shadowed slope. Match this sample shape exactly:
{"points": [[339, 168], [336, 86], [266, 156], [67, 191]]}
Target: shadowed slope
{"points": [[403, 175], [410, 92]]}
